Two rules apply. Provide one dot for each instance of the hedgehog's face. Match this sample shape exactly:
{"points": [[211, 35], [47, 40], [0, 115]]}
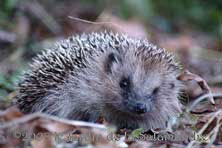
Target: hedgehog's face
{"points": [[137, 87]]}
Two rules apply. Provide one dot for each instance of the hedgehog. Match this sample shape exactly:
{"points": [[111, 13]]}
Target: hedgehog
{"points": [[128, 81]]}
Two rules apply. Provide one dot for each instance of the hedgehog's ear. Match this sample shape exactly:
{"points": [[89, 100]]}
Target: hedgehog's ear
{"points": [[111, 59]]}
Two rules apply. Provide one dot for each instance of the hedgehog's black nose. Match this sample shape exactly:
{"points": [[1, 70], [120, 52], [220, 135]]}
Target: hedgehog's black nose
{"points": [[140, 108]]}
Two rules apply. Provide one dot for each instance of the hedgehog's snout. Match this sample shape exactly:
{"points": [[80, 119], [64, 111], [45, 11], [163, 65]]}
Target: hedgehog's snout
{"points": [[137, 107], [137, 104], [140, 108]]}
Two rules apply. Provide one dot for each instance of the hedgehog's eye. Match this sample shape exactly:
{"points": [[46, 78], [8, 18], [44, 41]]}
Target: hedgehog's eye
{"points": [[124, 83], [155, 91]]}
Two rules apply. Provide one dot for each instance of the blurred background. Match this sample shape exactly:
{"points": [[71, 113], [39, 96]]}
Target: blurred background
{"points": [[190, 28]]}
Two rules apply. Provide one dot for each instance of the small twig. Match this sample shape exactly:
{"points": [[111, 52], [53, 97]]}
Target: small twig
{"points": [[50, 117], [95, 23], [215, 133], [200, 132], [89, 22], [201, 98]]}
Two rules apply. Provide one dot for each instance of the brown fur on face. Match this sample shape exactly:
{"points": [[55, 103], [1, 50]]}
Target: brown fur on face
{"points": [[128, 81]]}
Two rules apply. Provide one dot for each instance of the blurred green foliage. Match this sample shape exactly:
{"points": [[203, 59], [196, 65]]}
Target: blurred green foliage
{"points": [[204, 15], [8, 83], [6, 8], [137, 132], [201, 14]]}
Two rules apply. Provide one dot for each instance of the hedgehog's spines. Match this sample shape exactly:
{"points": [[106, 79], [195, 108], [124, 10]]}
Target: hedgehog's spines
{"points": [[52, 67]]}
